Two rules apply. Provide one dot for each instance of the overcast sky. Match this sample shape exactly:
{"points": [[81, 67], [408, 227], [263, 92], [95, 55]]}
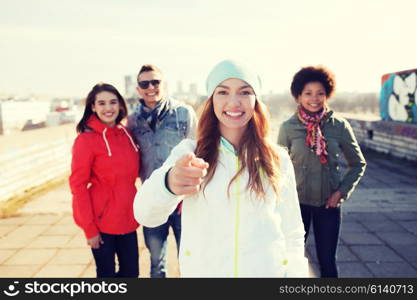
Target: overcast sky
{"points": [[62, 48]]}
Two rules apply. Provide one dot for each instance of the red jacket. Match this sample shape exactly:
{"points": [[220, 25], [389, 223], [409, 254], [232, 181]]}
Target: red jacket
{"points": [[105, 165]]}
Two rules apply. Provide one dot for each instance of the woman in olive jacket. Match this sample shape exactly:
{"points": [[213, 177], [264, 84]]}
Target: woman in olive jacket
{"points": [[315, 138]]}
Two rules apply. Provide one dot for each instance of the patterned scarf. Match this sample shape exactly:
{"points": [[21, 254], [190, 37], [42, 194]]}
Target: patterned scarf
{"points": [[315, 139], [151, 115]]}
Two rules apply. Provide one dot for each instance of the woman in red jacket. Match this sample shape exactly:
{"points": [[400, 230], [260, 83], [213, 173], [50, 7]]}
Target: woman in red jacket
{"points": [[105, 165]]}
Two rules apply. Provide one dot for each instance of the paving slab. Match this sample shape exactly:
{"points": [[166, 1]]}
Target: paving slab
{"points": [[352, 238], [398, 238], [353, 270], [60, 271], [408, 252], [18, 271], [43, 219], [5, 254], [50, 241], [77, 241], [368, 216], [392, 269], [15, 243], [6, 229], [20, 220], [352, 226], [21, 236], [344, 254], [404, 216], [90, 271], [31, 257], [410, 226], [72, 257], [62, 229], [67, 219], [374, 253], [385, 226], [42, 205], [27, 232]]}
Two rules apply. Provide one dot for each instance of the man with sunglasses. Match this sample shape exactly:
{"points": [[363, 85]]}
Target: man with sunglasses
{"points": [[158, 124]]}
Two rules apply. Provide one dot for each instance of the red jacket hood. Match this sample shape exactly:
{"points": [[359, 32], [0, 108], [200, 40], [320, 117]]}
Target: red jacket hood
{"points": [[96, 125]]}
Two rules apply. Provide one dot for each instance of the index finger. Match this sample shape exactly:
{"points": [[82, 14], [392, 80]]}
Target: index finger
{"points": [[199, 163], [185, 160]]}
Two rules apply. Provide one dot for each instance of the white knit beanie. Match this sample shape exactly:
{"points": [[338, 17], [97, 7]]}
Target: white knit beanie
{"points": [[232, 69]]}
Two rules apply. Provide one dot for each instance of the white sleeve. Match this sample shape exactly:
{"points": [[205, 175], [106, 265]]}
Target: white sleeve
{"points": [[154, 202], [292, 224]]}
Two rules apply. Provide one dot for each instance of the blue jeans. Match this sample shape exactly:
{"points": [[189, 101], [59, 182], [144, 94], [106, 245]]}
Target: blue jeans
{"points": [[326, 225], [156, 242], [125, 247]]}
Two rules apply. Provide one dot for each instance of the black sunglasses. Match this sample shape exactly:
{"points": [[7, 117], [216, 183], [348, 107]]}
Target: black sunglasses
{"points": [[144, 84]]}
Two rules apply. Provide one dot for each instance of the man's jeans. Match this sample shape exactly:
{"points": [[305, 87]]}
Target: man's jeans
{"points": [[326, 225], [156, 242]]}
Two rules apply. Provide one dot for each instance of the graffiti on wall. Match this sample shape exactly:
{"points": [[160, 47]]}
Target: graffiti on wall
{"points": [[389, 128], [398, 96]]}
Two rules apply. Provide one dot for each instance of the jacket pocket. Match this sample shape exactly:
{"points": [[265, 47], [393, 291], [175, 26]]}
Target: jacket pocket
{"points": [[103, 211], [101, 200]]}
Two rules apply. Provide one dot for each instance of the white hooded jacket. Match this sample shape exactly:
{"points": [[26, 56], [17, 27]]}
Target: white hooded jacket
{"points": [[240, 236]]}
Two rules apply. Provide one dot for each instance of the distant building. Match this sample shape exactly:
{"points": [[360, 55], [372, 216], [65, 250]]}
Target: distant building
{"points": [[130, 86], [191, 96], [193, 89]]}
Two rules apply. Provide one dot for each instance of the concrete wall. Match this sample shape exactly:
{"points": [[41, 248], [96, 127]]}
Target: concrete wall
{"points": [[17, 115], [32, 158], [395, 138]]}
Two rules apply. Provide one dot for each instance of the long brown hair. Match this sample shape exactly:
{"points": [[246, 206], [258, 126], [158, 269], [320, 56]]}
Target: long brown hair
{"points": [[91, 98], [255, 151]]}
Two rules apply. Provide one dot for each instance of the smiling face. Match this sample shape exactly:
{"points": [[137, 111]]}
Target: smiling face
{"points": [[107, 107], [234, 105], [153, 93], [313, 97]]}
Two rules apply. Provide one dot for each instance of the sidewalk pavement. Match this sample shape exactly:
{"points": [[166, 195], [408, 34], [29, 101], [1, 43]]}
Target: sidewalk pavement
{"points": [[379, 222], [378, 234], [43, 241]]}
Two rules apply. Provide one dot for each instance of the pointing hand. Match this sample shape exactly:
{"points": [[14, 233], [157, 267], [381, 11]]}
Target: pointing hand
{"points": [[187, 175]]}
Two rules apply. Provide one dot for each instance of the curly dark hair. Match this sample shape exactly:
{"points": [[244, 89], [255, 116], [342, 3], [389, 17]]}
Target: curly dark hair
{"points": [[313, 74]]}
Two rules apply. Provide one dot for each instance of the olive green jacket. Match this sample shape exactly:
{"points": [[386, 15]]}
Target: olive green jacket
{"points": [[316, 181]]}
